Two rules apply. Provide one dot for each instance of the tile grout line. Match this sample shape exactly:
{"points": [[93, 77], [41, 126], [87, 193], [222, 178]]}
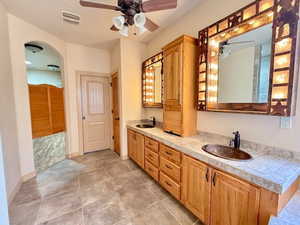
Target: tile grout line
{"points": [[173, 214], [38, 211]]}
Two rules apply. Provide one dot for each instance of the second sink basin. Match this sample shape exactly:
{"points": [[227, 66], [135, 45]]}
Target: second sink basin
{"points": [[226, 152], [145, 126]]}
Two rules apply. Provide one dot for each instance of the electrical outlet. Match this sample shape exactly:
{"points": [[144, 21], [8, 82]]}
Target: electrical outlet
{"points": [[286, 122]]}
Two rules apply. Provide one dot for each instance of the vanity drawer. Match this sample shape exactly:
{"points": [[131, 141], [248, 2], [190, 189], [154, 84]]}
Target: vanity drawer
{"points": [[171, 169], [169, 185], [151, 170], [151, 144], [170, 154], [152, 157]]}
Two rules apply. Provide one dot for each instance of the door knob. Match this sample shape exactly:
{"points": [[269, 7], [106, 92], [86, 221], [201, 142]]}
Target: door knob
{"points": [[83, 118], [118, 118]]}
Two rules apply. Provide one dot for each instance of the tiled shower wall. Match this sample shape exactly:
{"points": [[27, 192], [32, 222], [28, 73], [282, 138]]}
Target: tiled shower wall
{"points": [[48, 151]]}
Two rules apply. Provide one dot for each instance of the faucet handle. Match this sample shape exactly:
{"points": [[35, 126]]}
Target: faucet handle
{"points": [[231, 143]]}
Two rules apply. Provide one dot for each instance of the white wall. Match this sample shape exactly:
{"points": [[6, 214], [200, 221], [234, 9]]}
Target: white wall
{"points": [[36, 77], [8, 126], [132, 56], [3, 196], [75, 58], [261, 129], [81, 58], [20, 33], [116, 57]]}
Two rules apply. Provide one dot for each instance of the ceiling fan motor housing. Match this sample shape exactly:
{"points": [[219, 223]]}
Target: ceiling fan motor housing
{"points": [[130, 8]]}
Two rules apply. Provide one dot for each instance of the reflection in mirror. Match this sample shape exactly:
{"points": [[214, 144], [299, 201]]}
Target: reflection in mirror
{"points": [[152, 82], [244, 67]]}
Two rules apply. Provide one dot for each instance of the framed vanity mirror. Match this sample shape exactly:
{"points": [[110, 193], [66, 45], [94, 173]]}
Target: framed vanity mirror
{"points": [[244, 67], [247, 60], [152, 80]]}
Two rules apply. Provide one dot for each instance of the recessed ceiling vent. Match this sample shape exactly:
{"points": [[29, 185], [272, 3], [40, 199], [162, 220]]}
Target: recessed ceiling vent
{"points": [[53, 67], [34, 48], [70, 17]]}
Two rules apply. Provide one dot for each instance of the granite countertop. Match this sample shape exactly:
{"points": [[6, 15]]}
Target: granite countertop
{"points": [[290, 215], [272, 170]]}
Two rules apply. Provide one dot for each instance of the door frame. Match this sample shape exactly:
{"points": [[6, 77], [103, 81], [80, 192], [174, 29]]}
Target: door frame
{"points": [[79, 74], [113, 75]]}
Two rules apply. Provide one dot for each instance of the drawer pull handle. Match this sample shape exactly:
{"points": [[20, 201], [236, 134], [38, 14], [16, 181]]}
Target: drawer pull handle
{"points": [[214, 179], [206, 175], [167, 183], [150, 156], [168, 153], [169, 167]]}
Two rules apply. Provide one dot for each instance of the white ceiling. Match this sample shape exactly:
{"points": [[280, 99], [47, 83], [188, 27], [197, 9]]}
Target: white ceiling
{"points": [[40, 60], [94, 29]]}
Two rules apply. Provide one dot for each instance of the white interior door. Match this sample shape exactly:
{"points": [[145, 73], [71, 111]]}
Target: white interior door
{"points": [[95, 110]]}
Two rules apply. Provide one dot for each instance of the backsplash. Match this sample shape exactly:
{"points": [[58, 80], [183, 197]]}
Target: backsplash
{"points": [[280, 152], [48, 151]]}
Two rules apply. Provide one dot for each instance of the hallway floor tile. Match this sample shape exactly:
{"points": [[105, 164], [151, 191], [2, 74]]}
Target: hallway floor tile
{"points": [[96, 189]]}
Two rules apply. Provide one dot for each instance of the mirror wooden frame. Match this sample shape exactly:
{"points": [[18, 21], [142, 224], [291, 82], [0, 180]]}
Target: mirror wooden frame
{"points": [[284, 14], [147, 63]]}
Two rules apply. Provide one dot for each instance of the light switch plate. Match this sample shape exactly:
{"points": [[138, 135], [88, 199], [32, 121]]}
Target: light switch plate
{"points": [[286, 122]]}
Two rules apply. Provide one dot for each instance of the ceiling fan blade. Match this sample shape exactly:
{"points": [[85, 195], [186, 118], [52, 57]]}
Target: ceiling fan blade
{"points": [[150, 25], [97, 5], [113, 28], [157, 5]]}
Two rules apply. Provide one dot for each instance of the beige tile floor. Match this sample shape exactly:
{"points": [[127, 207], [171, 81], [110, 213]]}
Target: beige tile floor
{"points": [[96, 189]]}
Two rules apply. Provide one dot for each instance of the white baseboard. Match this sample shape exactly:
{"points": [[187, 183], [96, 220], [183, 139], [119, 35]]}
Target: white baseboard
{"points": [[28, 176], [124, 157], [73, 155], [18, 186], [14, 192]]}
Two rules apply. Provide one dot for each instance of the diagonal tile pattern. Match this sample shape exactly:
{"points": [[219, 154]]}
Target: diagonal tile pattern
{"points": [[96, 189]]}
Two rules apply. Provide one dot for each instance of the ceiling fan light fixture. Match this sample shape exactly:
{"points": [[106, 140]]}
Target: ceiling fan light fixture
{"points": [[125, 30], [142, 30], [139, 20], [119, 22]]}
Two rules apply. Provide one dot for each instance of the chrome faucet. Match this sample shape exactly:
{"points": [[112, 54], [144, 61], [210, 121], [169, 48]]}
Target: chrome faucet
{"points": [[153, 120], [236, 142]]}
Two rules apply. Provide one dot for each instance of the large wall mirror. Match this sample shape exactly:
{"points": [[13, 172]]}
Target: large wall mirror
{"points": [[247, 61], [244, 67], [152, 80]]}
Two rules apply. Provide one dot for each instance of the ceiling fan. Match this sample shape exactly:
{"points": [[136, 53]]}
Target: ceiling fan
{"points": [[133, 13]]}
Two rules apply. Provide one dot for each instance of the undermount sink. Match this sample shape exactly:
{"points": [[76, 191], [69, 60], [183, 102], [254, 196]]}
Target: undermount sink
{"points": [[144, 126], [226, 152]]}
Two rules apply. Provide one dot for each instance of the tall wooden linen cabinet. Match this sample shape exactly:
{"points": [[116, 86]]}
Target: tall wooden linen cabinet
{"points": [[179, 64]]}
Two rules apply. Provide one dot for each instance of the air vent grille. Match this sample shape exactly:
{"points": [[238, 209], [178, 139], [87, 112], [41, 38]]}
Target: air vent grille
{"points": [[70, 17]]}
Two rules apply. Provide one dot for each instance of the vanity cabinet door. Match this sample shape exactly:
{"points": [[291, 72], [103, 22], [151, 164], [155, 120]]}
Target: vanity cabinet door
{"points": [[234, 202], [140, 149], [196, 188], [136, 150], [172, 77], [132, 145]]}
